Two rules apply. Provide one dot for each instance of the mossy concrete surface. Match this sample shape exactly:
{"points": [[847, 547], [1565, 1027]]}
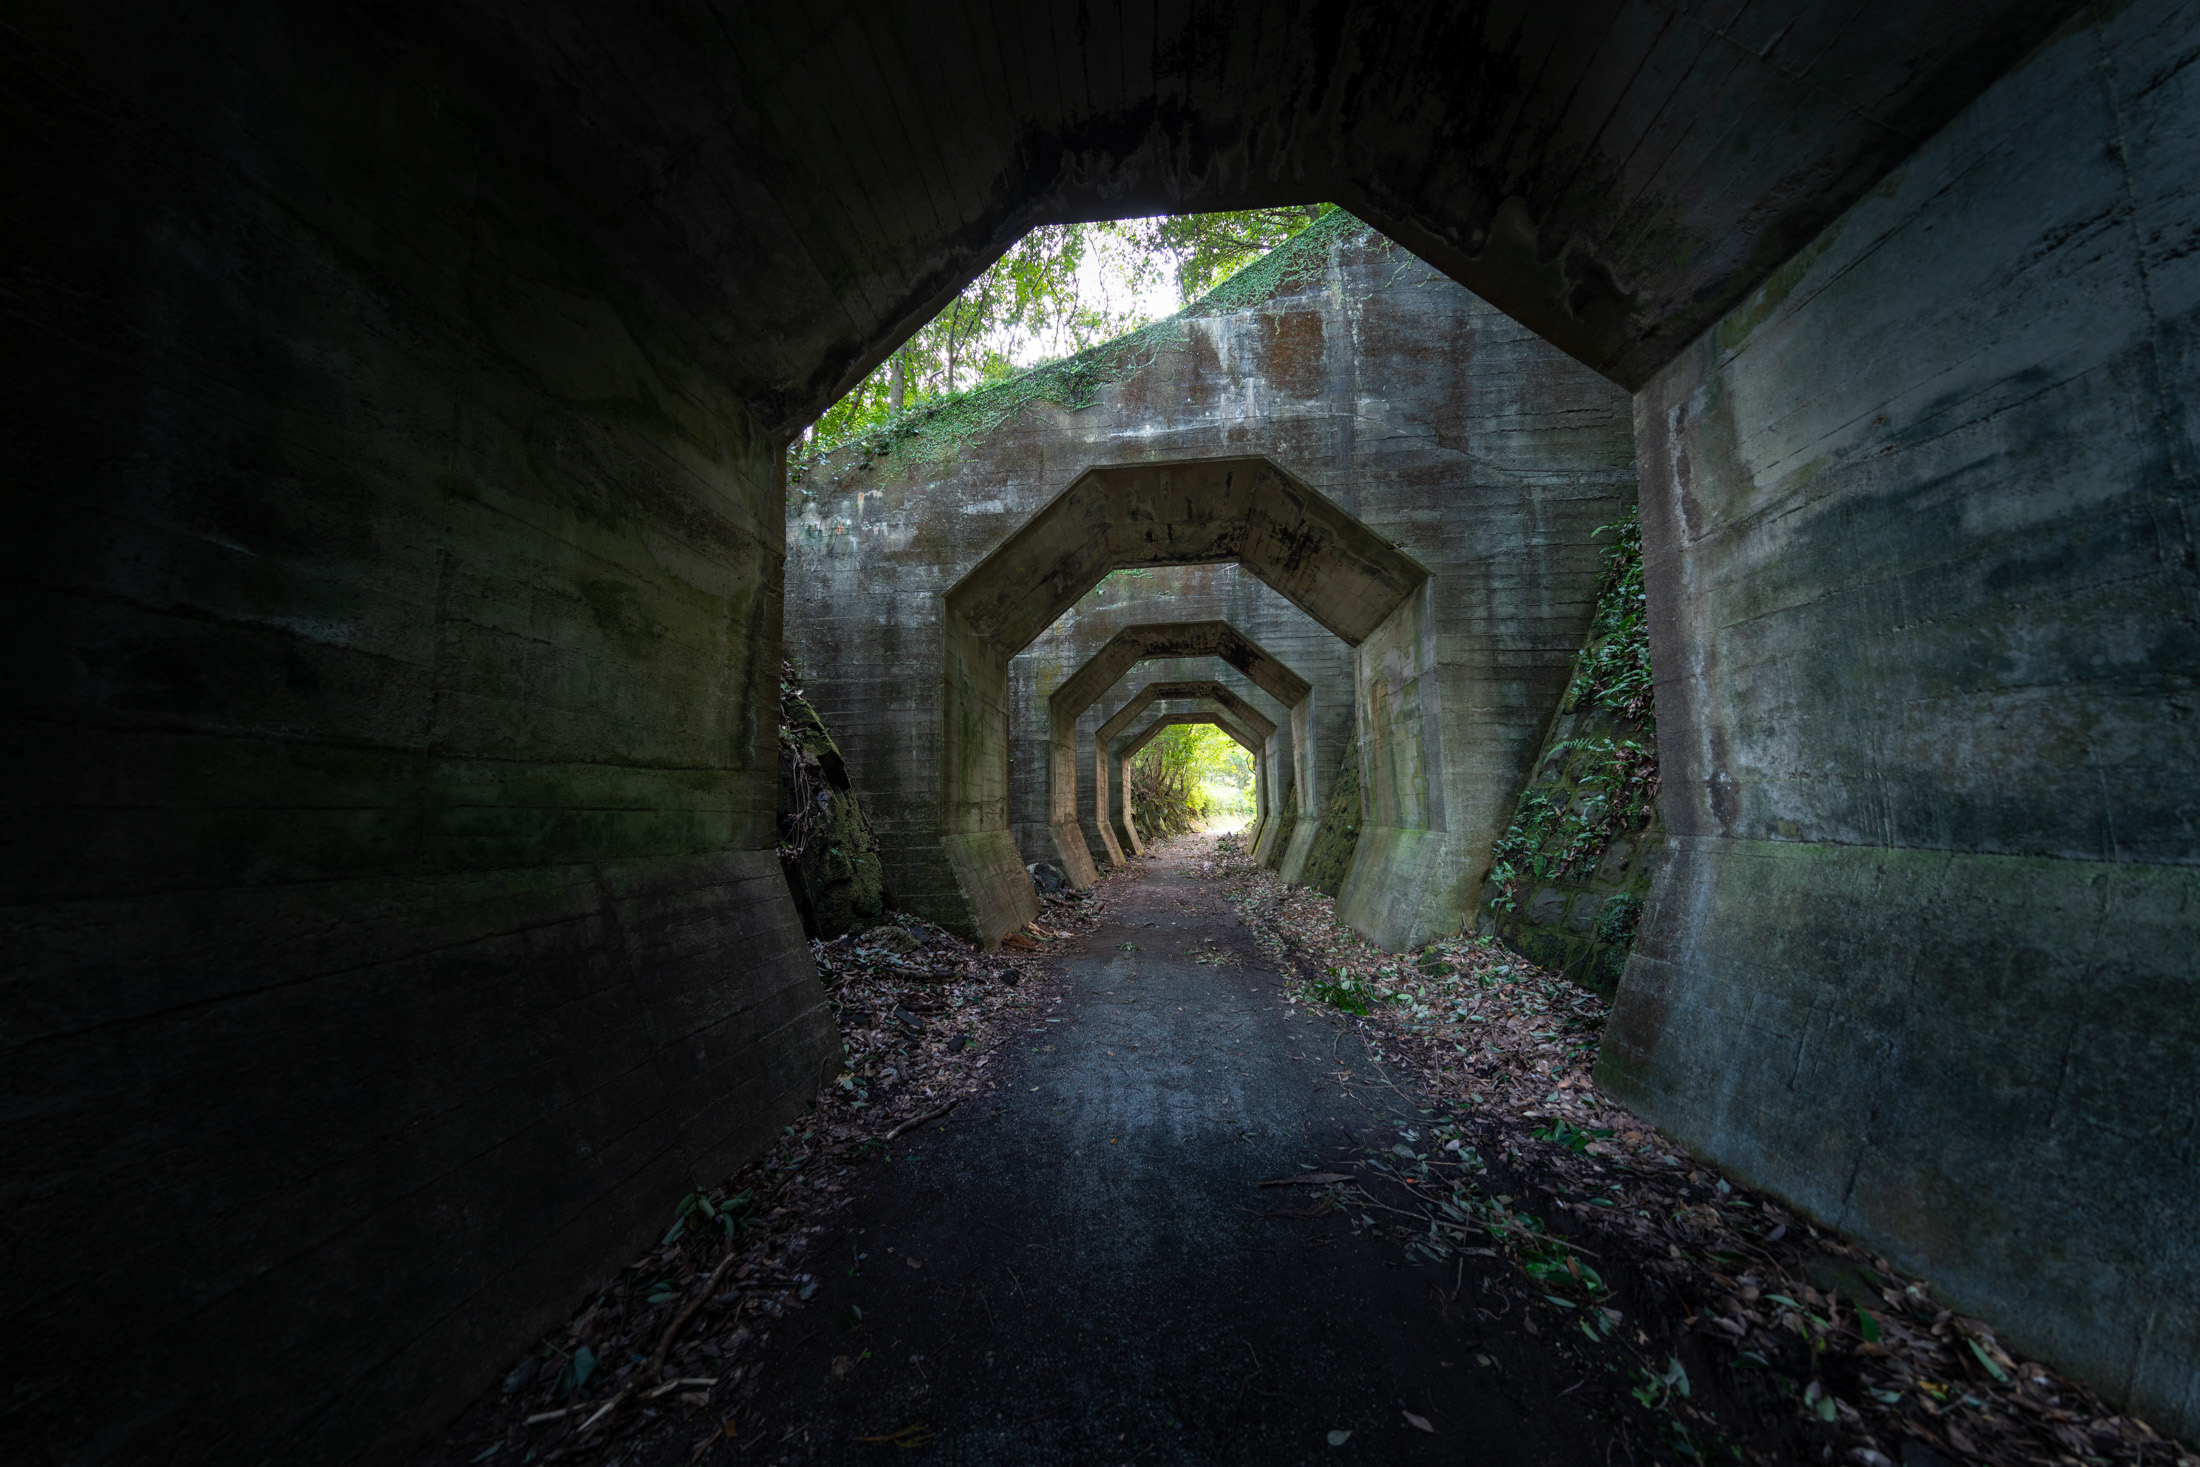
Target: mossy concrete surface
{"points": [[393, 928], [1580, 880], [1919, 529], [1275, 834]]}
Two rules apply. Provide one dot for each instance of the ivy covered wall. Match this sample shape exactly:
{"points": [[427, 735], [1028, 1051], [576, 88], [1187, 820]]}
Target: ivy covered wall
{"points": [[1571, 871]]}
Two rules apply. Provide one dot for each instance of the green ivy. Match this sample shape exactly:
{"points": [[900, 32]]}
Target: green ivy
{"points": [[1558, 830], [1614, 669]]}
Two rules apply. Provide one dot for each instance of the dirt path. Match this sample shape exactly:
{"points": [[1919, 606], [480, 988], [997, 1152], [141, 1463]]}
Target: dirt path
{"points": [[1083, 1266]]}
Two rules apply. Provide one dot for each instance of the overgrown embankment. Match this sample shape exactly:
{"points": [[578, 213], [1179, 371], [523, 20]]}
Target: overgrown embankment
{"points": [[934, 430], [826, 846], [1569, 875]]}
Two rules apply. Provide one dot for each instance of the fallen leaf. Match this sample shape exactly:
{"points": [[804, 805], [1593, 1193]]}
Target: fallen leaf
{"points": [[1339, 1438], [1418, 1423]]}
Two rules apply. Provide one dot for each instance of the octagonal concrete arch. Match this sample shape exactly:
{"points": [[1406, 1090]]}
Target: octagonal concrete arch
{"points": [[1117, 833], [1205, 511], [1128, 647]]}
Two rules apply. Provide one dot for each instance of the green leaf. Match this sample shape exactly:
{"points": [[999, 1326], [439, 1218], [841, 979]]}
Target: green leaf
{"points": [[1868, 1326], [1986, 1360]]}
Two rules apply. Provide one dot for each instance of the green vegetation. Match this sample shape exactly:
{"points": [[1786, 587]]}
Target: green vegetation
{"points": [[1188, 775], [958, 375], [1211, 248], [1597, 786], [1614, 671], [1346, 990]]}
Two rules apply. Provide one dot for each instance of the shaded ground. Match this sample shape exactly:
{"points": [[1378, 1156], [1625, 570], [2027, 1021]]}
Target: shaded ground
{"points": [[1128, 1193], [1083, 1266]]}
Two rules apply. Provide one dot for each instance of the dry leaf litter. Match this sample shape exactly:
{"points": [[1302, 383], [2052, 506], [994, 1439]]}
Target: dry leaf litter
{"points": [[1736, 1307], [672, 1347]]}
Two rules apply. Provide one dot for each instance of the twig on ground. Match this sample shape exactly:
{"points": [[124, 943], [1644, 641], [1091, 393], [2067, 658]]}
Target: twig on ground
{"points": [[915, 1121]]}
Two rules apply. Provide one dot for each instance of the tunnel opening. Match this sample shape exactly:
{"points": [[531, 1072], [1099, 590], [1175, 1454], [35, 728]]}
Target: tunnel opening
{"points": [[1319, 557], [1454, 707], [1111, 807], [1074, 831], [1174, 777]]}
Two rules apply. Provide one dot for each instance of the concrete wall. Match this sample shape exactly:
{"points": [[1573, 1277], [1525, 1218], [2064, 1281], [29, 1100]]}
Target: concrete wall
{"points": [[1481, 451], [1920, 533], [1336, 837], [392, 927]]}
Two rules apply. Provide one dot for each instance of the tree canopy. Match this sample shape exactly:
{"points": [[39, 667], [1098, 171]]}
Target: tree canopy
{"points": [[1059, 289], [1188, 775]]}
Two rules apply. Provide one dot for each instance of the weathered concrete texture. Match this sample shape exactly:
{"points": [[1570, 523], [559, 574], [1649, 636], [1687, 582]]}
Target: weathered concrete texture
{"points": [[1388, 400], [392, 927], [1277, 834], [826, 846], [1919, 522], [821, 179]]}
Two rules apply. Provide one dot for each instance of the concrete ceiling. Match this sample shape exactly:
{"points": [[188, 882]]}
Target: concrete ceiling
{"points": [[814, 181]]}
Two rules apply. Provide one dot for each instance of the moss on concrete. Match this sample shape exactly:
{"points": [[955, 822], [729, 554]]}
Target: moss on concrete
{"points": [[1570, 874], [1338, 836], [825, 844]]}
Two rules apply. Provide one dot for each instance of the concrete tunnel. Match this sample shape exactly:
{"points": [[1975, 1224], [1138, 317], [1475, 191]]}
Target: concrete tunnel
{"points": [[401, 556]]}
